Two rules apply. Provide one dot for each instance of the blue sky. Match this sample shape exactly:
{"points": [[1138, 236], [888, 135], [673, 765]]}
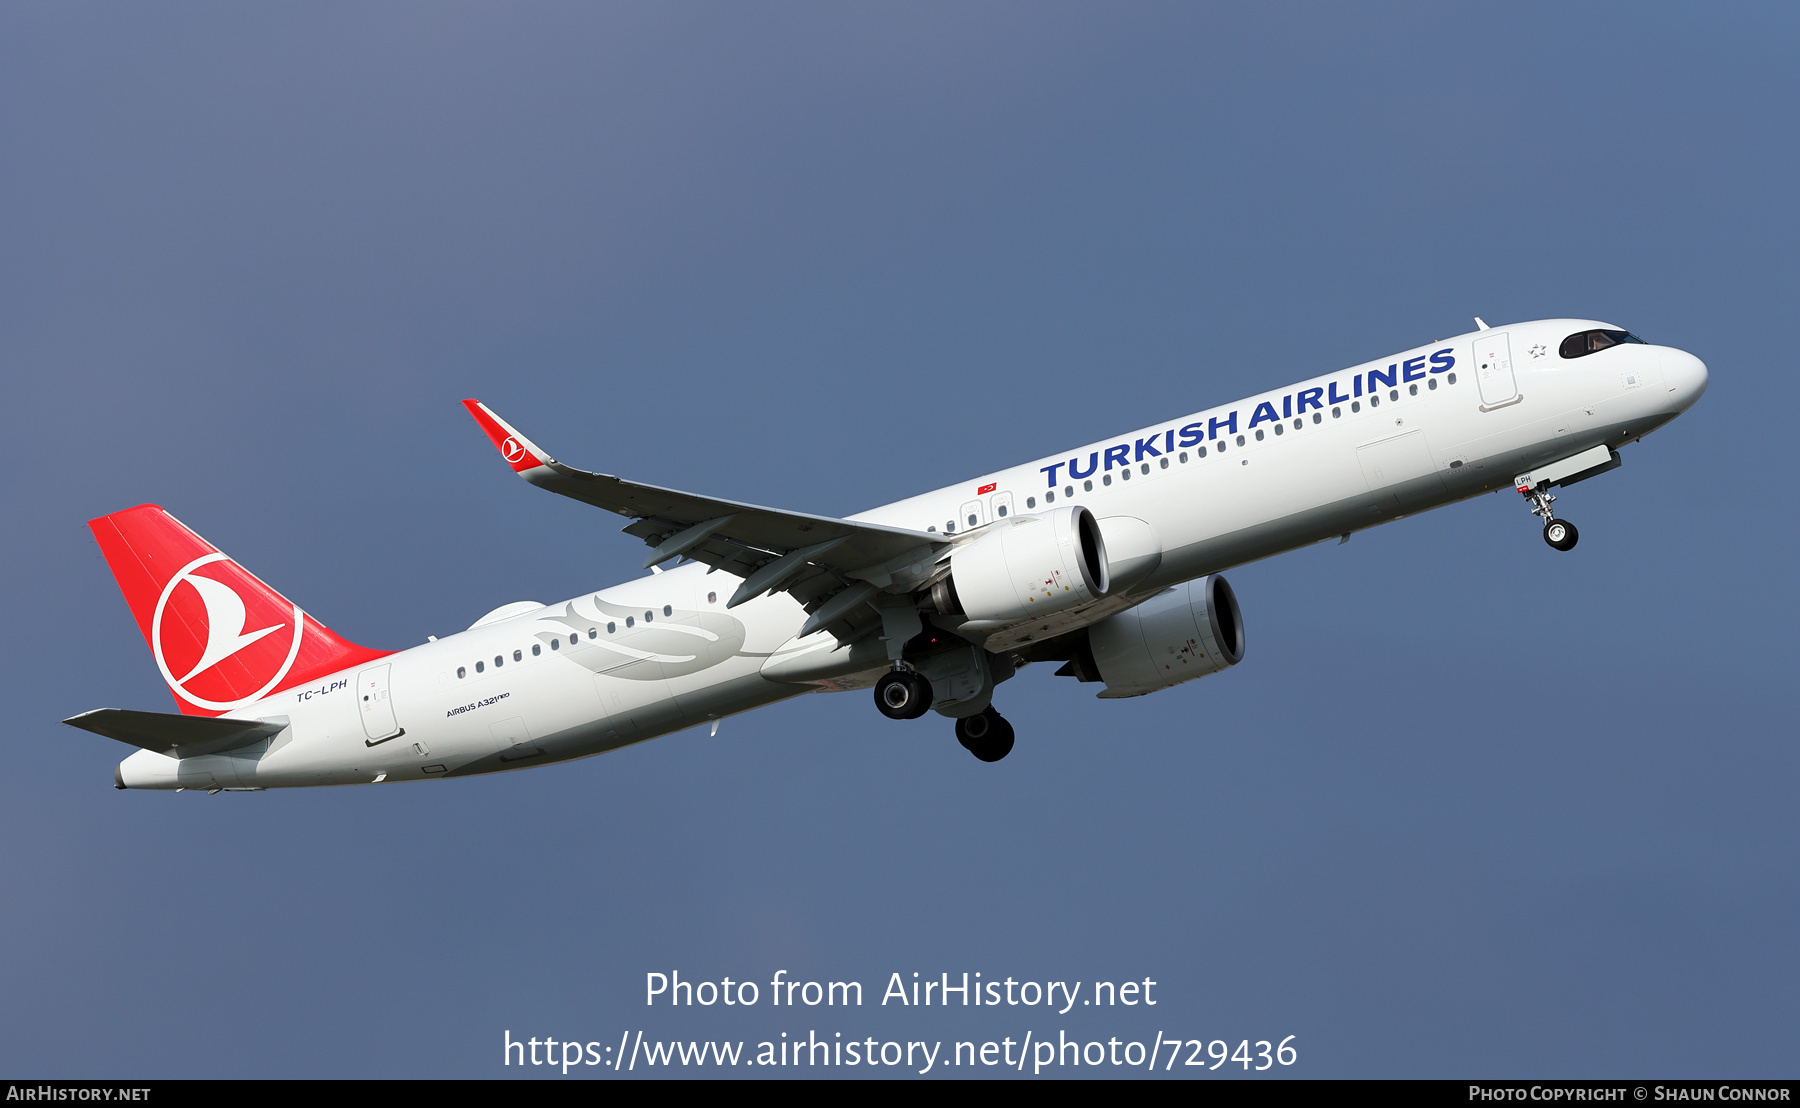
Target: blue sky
{"points": [[1470, 807]]}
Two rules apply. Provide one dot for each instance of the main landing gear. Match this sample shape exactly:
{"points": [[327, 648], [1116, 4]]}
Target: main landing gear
{"points": [[1559, 533], [903, 694], [906, 694], [986, 735]]}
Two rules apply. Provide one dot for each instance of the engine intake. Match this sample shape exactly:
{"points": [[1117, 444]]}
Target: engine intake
{"points": [[1192, 630], [1029, 566]]}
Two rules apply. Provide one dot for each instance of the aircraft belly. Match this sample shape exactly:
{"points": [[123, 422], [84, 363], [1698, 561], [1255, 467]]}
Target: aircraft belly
{"points": [[727, 697]]}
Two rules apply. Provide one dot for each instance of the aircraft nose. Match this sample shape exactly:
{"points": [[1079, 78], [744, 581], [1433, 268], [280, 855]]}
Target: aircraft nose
{"points": [[1686, 376]]}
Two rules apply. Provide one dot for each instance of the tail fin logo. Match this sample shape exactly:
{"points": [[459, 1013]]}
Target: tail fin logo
{"points": [[225, 615], [511, 449]]}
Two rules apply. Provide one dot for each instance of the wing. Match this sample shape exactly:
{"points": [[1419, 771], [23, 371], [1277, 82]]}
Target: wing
{"points": [[841, 571]]}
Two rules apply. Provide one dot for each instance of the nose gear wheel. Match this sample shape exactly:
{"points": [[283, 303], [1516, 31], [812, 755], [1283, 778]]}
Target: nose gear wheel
{"points": [[1559, 533]]}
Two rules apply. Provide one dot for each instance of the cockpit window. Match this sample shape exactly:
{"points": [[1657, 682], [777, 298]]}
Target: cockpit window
{"points": [[1592, 342]]}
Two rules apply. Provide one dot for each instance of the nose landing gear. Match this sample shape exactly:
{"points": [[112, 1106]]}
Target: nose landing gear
{"points": [[987, 735], [1559, 533]]}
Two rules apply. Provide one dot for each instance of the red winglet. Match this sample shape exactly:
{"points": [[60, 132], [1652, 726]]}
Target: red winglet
{"points": [[520, 452]]}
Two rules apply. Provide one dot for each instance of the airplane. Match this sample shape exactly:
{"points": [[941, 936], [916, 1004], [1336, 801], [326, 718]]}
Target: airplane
{"points": [[1106, 558]]}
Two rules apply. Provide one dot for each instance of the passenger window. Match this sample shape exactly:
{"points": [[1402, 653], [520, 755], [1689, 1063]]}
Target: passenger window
{"points": [[611, 627], [932, 530], [1200, 452], [1069, 490], [518, 655], [499, 661], [1317, 418], [668, 609], [1374, 402], [649, 617], [1087, 486], [1050, 497], [1394, 394], [1240, 440], [629, 623], [1412, 390], [1259, 436], [950, 527], [1125, 474], [973, 520], [461, 672], [1106, 480], [1165, 462], [1450, 378], [1279, 429], [537, 650], [1337, 413], [1000, 511], [593, 633], [712, 598], [480, 667], [1431, 384], [1184, 457], [1031, 501], [1145, 468], [1298, 423]]}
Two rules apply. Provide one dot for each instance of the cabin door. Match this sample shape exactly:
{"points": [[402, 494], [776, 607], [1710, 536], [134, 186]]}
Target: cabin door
{"points": [[1494, 371], [377, 708]]}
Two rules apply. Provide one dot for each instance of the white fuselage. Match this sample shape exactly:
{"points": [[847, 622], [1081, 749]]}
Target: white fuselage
{"points": [[1176, 500]]}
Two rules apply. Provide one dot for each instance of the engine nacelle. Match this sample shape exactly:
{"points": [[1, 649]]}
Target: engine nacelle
{"points": [[1189, 631], [1031, 566]]}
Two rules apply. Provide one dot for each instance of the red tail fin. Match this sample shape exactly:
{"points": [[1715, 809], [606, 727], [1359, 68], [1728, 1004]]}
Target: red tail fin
{"points": [[222, 638]]}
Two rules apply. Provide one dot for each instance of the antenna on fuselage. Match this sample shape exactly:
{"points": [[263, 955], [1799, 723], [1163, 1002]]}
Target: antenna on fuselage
{"points": [[1480, 323]]}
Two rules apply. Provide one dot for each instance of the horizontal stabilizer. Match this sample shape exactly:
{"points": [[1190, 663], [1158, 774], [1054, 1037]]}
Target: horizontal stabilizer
{"points": [[177, 735]]}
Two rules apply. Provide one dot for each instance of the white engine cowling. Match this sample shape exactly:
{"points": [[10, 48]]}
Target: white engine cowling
{"points": [[1031, 566], [1189, 631]]}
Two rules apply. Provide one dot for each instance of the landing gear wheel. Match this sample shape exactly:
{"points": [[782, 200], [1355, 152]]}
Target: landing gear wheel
{"points": [[922, 685], [903, 694], [1561, 534], [987, 736]]}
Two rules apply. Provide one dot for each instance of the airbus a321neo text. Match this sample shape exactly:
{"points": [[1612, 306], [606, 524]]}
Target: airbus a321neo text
{"points": [[1104, 558]]}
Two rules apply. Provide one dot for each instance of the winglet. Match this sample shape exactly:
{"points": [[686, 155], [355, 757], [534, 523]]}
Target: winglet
{"points": [[520, 452]]}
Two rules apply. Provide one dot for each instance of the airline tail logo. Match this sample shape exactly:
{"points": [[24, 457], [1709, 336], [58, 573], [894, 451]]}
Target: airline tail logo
{"points": [[221, 638], [511, 450], [222, 612]]}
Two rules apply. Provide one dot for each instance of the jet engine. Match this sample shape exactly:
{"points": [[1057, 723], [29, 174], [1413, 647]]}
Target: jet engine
{"points": [[1189, 631], [1026, 567]]}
